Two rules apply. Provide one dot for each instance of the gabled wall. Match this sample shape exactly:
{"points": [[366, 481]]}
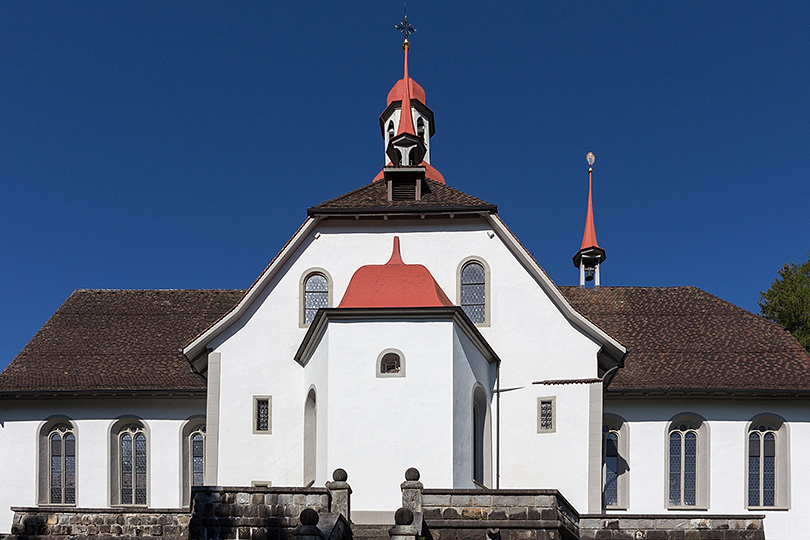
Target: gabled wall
{"points": [[526, 329]]}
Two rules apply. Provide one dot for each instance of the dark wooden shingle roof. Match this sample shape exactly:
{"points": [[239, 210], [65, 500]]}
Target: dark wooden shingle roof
{"points": [[110, 340], [683, 339], [373, 198], [680, 339]]}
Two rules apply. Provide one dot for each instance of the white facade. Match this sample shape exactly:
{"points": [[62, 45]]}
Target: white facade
{"points": [[23, 423]]}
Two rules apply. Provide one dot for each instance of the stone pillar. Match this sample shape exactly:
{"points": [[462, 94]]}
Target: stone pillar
{"points": [[403, 528], [341, 493], [308, 530], [412, 490]]}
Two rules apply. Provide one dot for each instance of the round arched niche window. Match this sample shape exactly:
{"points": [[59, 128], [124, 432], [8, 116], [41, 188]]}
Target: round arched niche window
{"points": [[391, 363]]}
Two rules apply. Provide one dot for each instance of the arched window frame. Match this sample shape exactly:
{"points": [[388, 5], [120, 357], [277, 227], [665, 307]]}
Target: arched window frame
{"points": [[63, 426], [487, 280], [682, 425], [481, 447], [118, 430], [381, 357], [192, 427], [389, 132], [617, 426], [302, 295], [770, 423], [310, 437]]}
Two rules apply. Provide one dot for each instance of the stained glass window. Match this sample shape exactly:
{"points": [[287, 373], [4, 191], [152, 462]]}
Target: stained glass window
{"points": [[263, 414], [133, 465], [316, 296], [473, 292], [546, 416], [762, 466], [197, 455], [611, 468], [683, 449], [62, 478]]}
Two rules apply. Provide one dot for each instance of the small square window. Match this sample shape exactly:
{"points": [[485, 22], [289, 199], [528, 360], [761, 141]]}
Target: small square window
{"points": [[262, 414], [546, 418]]}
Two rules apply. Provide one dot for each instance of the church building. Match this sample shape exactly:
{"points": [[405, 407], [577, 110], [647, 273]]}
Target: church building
{"points": [[404, 325]]}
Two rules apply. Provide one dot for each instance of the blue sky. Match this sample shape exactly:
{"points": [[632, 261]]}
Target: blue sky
{"points": [[178, 144]]}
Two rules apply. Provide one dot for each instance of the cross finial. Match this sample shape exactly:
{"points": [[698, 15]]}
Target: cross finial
{"points": [[405, 27]]}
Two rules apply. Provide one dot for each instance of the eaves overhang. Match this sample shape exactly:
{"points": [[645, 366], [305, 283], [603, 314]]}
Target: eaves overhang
{"points": [[612, 352], [708, 393], [403, 211], [141, 393], [198, 345], [319, 324]]}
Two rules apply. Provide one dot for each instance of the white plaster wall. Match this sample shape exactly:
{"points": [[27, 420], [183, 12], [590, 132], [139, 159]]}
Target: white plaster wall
{"points": [[648, 420], [20, 422], [469, 368], [381, 426], [557, 460], [533, 339]]}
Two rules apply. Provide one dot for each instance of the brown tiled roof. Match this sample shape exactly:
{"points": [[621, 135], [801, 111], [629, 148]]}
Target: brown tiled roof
{"points": [[683, 339], [373, 198], [110, 340]]}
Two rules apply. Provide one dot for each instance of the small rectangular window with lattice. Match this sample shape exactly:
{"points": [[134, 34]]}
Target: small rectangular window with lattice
{"points": [[546, 422], [262, 414]]}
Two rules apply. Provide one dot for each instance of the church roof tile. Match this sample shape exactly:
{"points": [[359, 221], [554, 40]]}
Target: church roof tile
{"points": [[683, 339], [373, 198], [117, 340]]}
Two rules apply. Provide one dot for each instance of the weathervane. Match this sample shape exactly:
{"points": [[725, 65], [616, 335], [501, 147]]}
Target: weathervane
{"points": [[405, 27]]}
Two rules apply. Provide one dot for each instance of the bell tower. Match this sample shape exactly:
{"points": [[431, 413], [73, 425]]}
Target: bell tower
{"points": [[590, 255], [406, 124]]}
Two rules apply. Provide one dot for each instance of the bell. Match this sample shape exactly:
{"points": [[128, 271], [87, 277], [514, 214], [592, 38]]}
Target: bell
{"points": [[589, 274]]}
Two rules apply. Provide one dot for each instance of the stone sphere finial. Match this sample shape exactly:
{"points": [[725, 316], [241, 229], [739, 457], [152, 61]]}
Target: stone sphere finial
{"points": [[309, 517], [340, 475], [403, 516], [412, 474]]}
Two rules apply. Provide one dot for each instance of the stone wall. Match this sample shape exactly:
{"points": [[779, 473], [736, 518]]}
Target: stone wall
{"points": [[100, 522], [520, 514], [671, 527], [258, 513]]}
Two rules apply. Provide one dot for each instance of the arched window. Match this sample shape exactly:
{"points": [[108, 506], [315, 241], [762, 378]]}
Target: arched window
{"points": [[481, 443], [420, 128], [390, 130], [687, 462], [316, 294], [310, 438], [62, 446], [132, 442], [683, 446], [193, 455], [473, 291], [611, 468], [129, 460], [391, 363], [768, 477], [615, 462], [197, 457], [57, 462]]}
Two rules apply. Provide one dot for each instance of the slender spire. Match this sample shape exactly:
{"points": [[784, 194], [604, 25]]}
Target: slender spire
{"points": [[589, 236], [406, 118], [590, 255]]}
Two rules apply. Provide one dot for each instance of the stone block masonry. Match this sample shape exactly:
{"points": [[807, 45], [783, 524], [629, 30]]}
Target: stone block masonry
{"points": [[671, 527], [520, 514], [172, 524]]}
